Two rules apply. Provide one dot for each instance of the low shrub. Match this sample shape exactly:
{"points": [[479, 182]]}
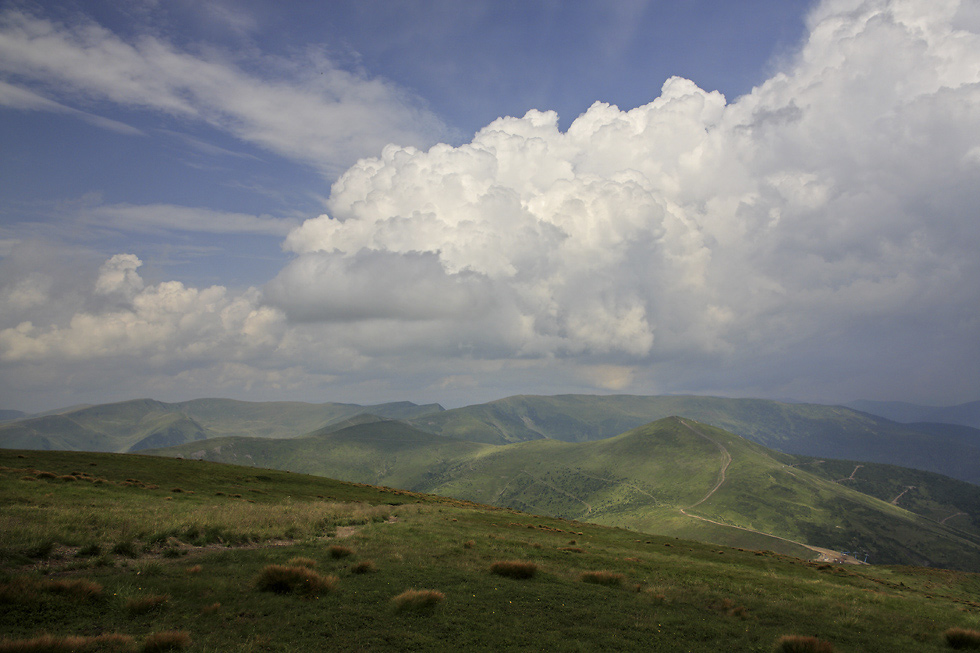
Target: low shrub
{"points": [[609, 578], [802, 644], [519, 569], [960, 638], [146, 604], [282, 579], [167, 640], [418, 600], [125, 548]]}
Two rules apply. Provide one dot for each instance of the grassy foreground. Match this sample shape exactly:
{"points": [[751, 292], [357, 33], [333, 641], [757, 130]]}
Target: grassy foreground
{"points": [[132, 553]]}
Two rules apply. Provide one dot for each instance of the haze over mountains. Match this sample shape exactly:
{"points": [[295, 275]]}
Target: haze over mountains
{"points": [[753, 473]]}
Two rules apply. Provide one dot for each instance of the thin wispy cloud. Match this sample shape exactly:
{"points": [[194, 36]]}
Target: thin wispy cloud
{"points": [[306, 109]]}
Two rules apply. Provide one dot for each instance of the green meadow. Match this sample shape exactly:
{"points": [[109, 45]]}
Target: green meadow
{"points": [[133, 553]]}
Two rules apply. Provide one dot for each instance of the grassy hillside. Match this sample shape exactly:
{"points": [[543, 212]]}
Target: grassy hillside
{"points": [[144, 423], [120, 554], [805, 429], [673, 477]]}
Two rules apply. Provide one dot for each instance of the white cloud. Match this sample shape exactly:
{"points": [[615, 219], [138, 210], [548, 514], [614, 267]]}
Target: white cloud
{"points": [[840, 192], [306, 109], [15, 97], [817, 236]]}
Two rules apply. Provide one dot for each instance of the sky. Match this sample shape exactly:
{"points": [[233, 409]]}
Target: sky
{"points": [[453, 202]]}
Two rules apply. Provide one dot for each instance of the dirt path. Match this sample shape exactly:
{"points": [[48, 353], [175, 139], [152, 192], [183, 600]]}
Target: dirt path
{"points": [[955, 514], [824, 555], [851, 477], [907, 488], [726, 461]]}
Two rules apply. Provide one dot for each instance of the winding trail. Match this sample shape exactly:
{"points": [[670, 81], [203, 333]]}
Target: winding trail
{"points": [[851, 477], [907, 488], [824, 554], [955, 514]]}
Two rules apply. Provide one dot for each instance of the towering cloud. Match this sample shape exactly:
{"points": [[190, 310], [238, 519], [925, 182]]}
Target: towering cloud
{"points": [[817, 236], [835, 203]]}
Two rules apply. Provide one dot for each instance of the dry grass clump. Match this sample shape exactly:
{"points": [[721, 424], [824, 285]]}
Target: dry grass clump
{"points": [[106, 643], [364, 567], [519, 569], [609, 578], [23, 588], [282, 579], [146, 604], [338, 551], [167, 640], [300, 561], [802, 644], [418, 600], [959, 638], [78, 588]]}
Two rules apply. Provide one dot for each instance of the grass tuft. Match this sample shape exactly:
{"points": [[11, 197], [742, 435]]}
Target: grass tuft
{"points": [[418, 600], [300, 561], [608, 578], [167, 640], [960, 638], [802, 644], [364, 567], [105, 643], [519, 569], [282, 579], [78, 588], [146, 604]]}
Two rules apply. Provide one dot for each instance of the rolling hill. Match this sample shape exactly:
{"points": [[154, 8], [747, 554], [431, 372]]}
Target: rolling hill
{"points": [[142, 423], [804, 429], [672, 477]]}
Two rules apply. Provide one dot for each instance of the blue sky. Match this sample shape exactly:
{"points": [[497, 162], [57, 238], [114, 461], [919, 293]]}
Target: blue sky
{"points": [[446, 201]]}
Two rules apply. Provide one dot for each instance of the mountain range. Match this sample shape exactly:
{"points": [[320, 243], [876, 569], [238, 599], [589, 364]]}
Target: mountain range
{"points": [[794, 478]]}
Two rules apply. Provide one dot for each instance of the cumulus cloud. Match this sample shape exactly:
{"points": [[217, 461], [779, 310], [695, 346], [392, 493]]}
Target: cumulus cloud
{"points": [[838, 195], [816, 236], [307, 109], [163, 324]]}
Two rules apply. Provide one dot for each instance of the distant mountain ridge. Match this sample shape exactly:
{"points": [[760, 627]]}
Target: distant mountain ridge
{"points": [[967, 414], [805, 429], [143, 423], [818, 430], [674, 477]]}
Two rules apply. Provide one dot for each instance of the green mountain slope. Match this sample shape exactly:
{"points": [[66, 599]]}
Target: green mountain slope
{"points": [[672, 477], [105, 547], [805, 429]]}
